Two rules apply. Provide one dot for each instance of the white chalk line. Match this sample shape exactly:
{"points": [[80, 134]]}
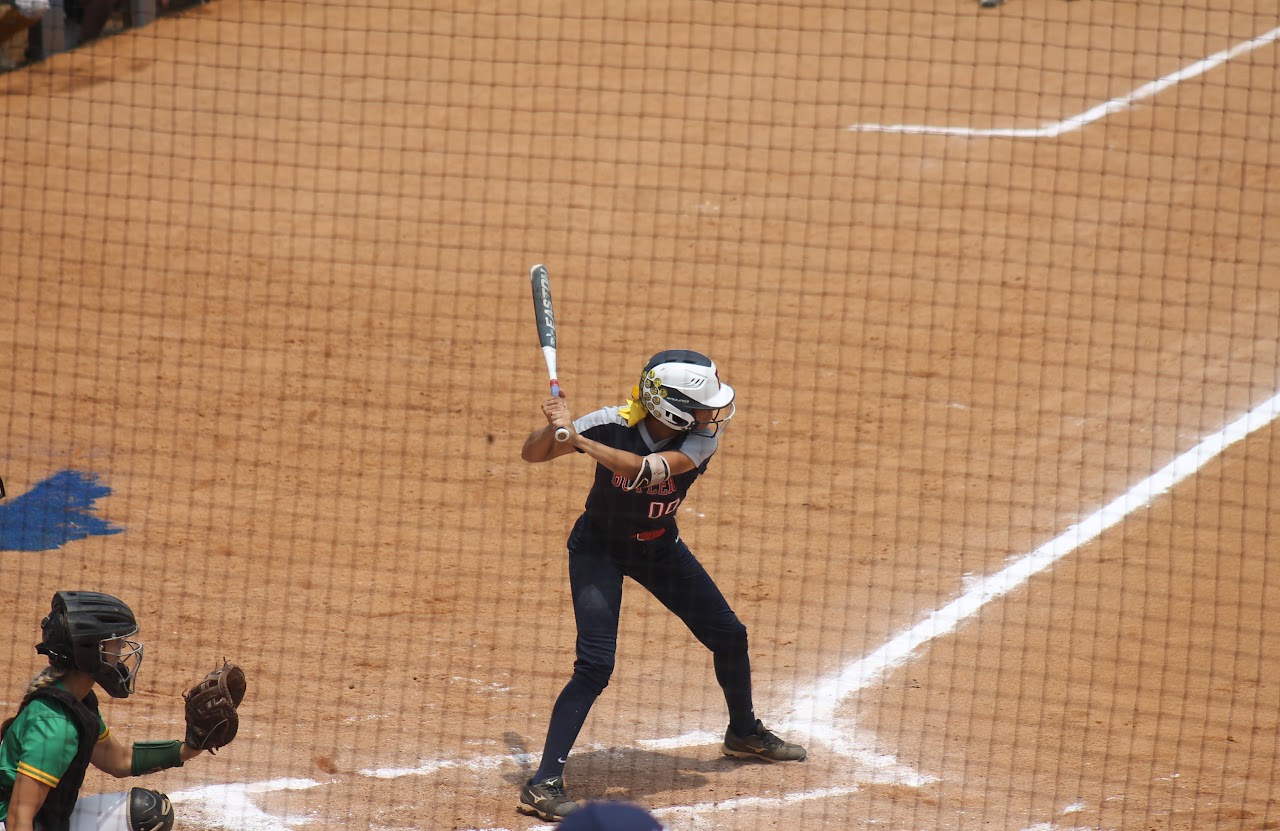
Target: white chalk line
{"points": [[873, 768], [698, 738], [230, 806], [429, 767], [1090, 115], [815, 713]]}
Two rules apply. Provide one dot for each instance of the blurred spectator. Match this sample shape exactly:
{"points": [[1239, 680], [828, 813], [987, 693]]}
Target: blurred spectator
{"points": [[66, 24], [94, 14], [17, 16], [609, 816]]}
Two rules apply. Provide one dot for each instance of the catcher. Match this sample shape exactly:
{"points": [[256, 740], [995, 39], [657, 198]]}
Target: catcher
{"points": [[58, 731]]}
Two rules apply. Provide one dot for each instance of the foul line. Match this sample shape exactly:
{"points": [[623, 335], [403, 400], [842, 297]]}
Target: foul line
{"points": [[1103, 110], [816, 710]]}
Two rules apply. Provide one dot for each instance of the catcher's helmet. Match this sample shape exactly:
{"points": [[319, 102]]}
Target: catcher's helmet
{"points": [[678, 381], [77, 630]]}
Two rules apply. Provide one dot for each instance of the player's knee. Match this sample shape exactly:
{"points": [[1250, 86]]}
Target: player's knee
{"points": [[730, 639], [149, 810], [594, 676]]}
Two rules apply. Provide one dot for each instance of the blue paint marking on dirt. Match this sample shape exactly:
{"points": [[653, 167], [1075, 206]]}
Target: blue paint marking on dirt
{"points": [[53, 513]]}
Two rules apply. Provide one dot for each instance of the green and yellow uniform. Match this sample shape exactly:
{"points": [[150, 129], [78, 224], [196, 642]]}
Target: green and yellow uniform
{"points": [[44, 743]]}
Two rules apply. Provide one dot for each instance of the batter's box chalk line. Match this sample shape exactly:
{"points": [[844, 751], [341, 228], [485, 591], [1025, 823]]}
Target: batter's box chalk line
{"points": [[231, 806]]}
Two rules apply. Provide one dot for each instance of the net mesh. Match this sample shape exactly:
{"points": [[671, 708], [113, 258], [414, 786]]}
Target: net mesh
{"points": [[996, 286]]}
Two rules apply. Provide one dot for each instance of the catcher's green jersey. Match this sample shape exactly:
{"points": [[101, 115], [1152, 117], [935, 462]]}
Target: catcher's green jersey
{"points": [[41, 743]]}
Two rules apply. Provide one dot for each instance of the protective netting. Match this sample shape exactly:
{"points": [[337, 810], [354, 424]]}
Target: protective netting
{"points": [[997, 288]]}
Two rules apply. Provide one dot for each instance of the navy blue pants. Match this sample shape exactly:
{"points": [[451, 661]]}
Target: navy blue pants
{"points": [[666, 568]]}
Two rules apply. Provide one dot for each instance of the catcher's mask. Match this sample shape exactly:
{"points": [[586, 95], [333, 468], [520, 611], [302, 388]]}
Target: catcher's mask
{"points": [[89, 632], [682, 389]]}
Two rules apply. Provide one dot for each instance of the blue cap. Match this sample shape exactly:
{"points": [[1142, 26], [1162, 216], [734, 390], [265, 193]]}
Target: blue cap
{"points": [[610, 816]]}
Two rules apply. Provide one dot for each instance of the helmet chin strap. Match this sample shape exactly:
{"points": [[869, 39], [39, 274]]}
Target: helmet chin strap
{"points": [[116, 679]]}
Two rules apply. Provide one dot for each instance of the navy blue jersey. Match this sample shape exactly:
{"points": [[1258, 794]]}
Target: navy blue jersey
{"points": [[615, 510]]}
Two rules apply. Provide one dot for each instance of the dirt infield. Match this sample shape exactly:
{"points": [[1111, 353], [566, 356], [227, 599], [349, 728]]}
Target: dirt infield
{"points": [[265, 278]]}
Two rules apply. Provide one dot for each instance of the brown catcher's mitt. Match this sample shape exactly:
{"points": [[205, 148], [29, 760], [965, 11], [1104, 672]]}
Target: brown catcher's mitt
{"points": [[211, 708]]}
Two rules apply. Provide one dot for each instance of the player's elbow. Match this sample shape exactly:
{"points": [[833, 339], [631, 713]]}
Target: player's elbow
{"points": [[535, 448]]}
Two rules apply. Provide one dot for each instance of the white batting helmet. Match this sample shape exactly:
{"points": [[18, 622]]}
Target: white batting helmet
{"points": [[678, 381]]}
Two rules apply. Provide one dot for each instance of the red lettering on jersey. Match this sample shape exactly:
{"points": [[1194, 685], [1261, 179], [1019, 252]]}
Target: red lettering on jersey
{"points": [[666, 488]]}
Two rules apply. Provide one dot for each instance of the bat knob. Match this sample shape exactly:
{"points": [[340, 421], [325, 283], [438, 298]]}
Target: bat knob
{"points": [[562, 434]]}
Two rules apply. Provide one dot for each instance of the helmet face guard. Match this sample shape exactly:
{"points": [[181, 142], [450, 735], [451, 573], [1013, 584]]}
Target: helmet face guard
{"points": [[89, 632], [682, 389], [712, 421], [118, 670]]}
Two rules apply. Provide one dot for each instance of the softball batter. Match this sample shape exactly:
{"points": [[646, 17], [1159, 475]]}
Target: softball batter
{"points": [[58, 732], [648, 453]]}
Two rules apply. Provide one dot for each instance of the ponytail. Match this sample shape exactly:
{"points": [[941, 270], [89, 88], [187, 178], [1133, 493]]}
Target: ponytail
{"points": [[42, 679]]}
